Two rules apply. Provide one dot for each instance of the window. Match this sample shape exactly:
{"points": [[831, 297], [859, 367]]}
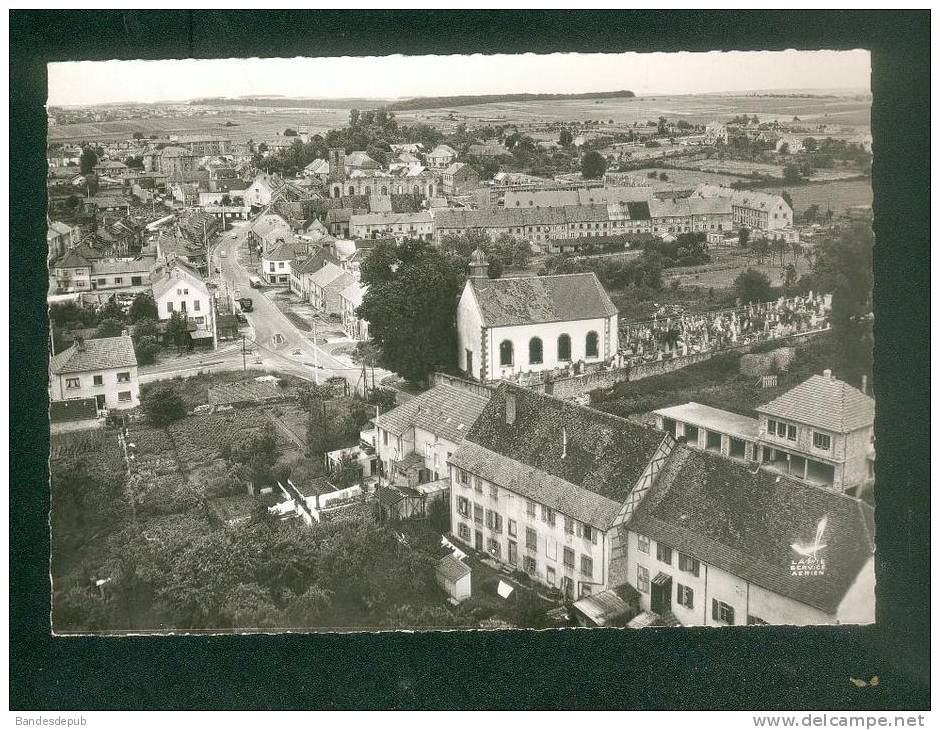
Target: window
{"points": [[821, 440], [505, 353], [535, 351], [497, 522], [463, 530], [513, 552], [463, 506], [493, 548], [478, 484], [512, 528], [590, 534], [688, 564], [587, 566], [642, 579], [124, 396], [590, 345], [385, 443], [529, 564], [118, 280], [478, 514], [643, 544], [169, 307], [569, 525], [564, 348], [196, 305], [568, 558], [663, 553], [102, 282], [550, 575], [489, 518], [685, 596], [494, 491], [531, 539], [548, 515], [791, 432], [530, 508], [98, 380], [123, 378], [73, 383], [461, 474], [722, 612], [772, 427]]}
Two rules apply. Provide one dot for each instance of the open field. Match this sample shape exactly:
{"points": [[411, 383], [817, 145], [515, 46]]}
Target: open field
{"points": [[682, 178], [255, 124], [837, 195], [696, 109]]}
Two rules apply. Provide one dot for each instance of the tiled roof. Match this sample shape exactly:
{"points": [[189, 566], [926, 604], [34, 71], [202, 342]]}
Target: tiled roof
{"points": [[719, 512], [452, 569], [604, 456], [313, 263], [73, 259], [531, 299], [357, 158], [390, 219], [326, 274], [522, 216], [174, 274], [285, 251], [447, 411], [98, 354], [354, 293], [824, 402]]}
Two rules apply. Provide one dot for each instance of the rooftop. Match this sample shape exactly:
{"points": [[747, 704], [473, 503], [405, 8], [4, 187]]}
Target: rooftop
{"points": [[447, 411], [452, 569], [578, 461], [97, 354], [746, 523], [825, 402], [532, 299], [714, 419]]}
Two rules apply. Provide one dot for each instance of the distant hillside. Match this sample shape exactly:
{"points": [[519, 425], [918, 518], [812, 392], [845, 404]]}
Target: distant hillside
{"points": [[436, 102], [291, 103]]}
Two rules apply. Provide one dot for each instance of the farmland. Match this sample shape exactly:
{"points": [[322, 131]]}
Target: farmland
{"points": [[837, 195]]}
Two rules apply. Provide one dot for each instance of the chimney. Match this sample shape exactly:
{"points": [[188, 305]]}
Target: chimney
{"points": [[827, 374], [510, 408], [79, 343]]}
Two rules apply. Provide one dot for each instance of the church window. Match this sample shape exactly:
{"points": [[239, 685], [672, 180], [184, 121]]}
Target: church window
{"points": [[535, 351]]}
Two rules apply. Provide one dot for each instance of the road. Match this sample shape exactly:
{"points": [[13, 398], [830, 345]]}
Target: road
{"points": [[276, 339]]}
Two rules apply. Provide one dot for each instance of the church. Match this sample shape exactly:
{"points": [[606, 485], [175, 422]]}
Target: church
{"points": [[532, 324]]}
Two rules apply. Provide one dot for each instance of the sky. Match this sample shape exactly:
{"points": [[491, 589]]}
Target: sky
{"points": [[388, 77]]}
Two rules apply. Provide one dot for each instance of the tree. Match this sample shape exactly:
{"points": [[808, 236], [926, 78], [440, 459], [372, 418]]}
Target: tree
{"points": [[146, 349], [661, 127], [789, 278], [411, 305], [593, 165], [353, 117], [143, 307], [810, 144], [792, 174], [290, 132], [138, 135], [347, 472], [109, 328], [565, 139], [87, 161], [744, 235], [752, 285], [163, 404], [177, 331]]}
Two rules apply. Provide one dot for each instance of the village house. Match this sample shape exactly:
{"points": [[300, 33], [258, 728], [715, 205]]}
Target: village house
{"points": [[441, 156], [302, 269], [459, 178], [398, 225], [60, 237], [276, 260], [110, 168], [715, 544], [181, 289], [751, 208], [76, 272], [103, 369], [350, 299], [415, 439], [488, 151], [267, 229], [820, 432], [325, 286], [544, 485], [532, 324]]}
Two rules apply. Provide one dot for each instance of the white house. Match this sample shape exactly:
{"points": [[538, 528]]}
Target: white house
{"points": [[400, 225], [441, 156], [104, 369], [752, 208], [543, 485], [714, 544], [180, 289], [532, 324], [417, 438], [325, 286], [350, 299]]}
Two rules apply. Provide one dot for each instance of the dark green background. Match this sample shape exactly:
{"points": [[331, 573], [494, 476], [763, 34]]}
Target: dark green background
{"points": [[765, 668]]}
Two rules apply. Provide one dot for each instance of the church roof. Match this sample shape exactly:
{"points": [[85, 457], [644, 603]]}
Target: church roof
{"points": [[533, 299]]}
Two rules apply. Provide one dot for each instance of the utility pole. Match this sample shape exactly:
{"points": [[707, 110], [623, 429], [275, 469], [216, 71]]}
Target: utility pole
{"points": [[244, 361], [316, 356]]}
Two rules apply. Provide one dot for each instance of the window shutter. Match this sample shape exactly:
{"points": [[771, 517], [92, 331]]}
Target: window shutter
{"points": [[714, 609], [730, 615]]}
